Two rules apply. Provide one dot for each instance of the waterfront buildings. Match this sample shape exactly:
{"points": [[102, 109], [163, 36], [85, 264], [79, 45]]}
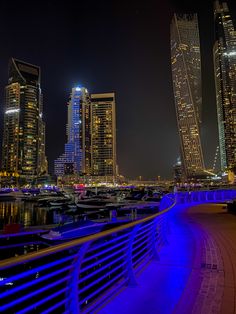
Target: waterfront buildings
{"points": [[76, 158], [186, 76], [90, 151], [224, 53], [103, 135], [177, 169], [23, 149]]}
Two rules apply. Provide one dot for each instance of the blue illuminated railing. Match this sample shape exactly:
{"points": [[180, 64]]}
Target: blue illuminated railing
{"points": [[205, 196], [79, 275]]}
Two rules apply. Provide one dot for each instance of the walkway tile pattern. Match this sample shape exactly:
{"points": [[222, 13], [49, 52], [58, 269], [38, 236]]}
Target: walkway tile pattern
{"points": [[196, 273]]}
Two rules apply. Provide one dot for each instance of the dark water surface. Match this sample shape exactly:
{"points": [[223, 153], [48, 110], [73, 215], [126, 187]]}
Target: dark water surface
{"points": [[27, 214]]}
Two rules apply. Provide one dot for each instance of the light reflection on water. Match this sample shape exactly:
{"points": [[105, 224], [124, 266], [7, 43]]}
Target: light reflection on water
{"points": [[27, 214]]}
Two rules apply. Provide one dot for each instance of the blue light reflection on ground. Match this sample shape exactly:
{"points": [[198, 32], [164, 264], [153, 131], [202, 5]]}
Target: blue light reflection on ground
{"points": [[161, 284]]}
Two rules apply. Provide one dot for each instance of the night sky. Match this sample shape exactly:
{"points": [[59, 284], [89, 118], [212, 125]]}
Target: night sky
{"points": [[111, 46]]}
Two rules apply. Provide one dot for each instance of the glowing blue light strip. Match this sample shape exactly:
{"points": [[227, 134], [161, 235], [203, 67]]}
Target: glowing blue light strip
{"points": [[93, 272], [52, 308], [102, 277], [86, 259], [100, 269], [140, 233], [102, 260], [91, 295], [139, 252], [35, 282], [100, 245], [141, 260], [35, 270], [32, 294], [52, 296], [141, 249]]}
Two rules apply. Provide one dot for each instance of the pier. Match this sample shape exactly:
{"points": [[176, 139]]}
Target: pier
{"points": [[180, 260]]}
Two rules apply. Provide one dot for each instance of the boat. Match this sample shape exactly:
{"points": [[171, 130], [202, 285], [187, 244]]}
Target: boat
{"points": [[80, 229], [92, 203], [139, 208], [7, 196], [74, 230]]}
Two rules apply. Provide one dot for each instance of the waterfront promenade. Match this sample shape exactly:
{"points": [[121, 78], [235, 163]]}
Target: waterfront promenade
{"points": [[196, 272]]}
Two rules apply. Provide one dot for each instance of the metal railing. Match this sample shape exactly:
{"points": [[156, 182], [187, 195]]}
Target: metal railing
{"points": [[205, 196], [77, 276]]}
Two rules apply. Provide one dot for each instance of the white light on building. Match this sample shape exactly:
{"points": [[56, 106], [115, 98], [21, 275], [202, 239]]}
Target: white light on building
{"points": [[9, 111]]}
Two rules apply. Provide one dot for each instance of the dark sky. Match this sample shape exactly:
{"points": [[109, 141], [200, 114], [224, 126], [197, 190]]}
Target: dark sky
{"points": [[111, 46]]}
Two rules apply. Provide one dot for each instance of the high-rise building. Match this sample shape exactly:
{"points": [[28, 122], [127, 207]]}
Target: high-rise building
{"points": [[186, 76], [23, 151], [77, 155], [103, 131], [91, 136], [177, 171], [224, 53]]}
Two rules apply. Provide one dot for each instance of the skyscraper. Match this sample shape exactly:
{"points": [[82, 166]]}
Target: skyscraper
{"points": [[91, 136], [224, 53], [23, 150], [186, 76], [103, 131], [78, 146]]}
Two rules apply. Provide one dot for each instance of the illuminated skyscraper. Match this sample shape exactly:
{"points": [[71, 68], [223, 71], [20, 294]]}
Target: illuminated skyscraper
{"points": [[224, 53], [103, 140], [186, 76], [23, 151], [91, 138], [77, 155]]}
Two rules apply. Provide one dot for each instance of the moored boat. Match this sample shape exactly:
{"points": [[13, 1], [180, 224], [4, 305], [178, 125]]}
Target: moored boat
{"points": [[73, 230]]}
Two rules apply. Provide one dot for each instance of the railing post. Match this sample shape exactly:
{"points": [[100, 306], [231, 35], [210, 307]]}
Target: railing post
{"points": [[130, 271], [72, 304], [155, 254], [163, 229], [215, 196]]}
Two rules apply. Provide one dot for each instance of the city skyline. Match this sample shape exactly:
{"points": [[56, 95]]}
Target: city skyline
{"points": [[130, 57]]}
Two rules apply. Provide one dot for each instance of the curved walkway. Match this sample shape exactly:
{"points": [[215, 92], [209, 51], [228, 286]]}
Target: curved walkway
{"points": [[196, 272]]}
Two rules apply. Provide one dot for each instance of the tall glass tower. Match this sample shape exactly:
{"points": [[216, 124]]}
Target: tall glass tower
{"points": [[186, 76], [76, 158], [103, 140], [23, 150], [224, 53], [91, 136]]}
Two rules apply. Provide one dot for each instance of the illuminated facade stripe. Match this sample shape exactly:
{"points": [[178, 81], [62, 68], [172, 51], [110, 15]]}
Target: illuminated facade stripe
{"points": [[224, 54], [186, 75]]}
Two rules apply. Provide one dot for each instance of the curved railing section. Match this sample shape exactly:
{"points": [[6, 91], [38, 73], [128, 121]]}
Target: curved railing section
{"points": [[209, 196], [79, 275]]}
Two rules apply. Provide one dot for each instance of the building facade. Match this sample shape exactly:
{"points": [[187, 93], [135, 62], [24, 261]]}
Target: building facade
{"points": [[103, 135], [186, 77], [23, 150], [224, 54], [90, 150], [77, 155]]}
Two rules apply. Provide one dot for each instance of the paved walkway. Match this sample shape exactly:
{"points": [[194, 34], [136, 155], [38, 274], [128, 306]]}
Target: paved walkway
{"points": [[196, 272]]}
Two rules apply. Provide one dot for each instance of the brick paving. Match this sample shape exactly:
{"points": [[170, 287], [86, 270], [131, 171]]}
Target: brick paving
{"points": [[217, 269], [196, 273]]}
